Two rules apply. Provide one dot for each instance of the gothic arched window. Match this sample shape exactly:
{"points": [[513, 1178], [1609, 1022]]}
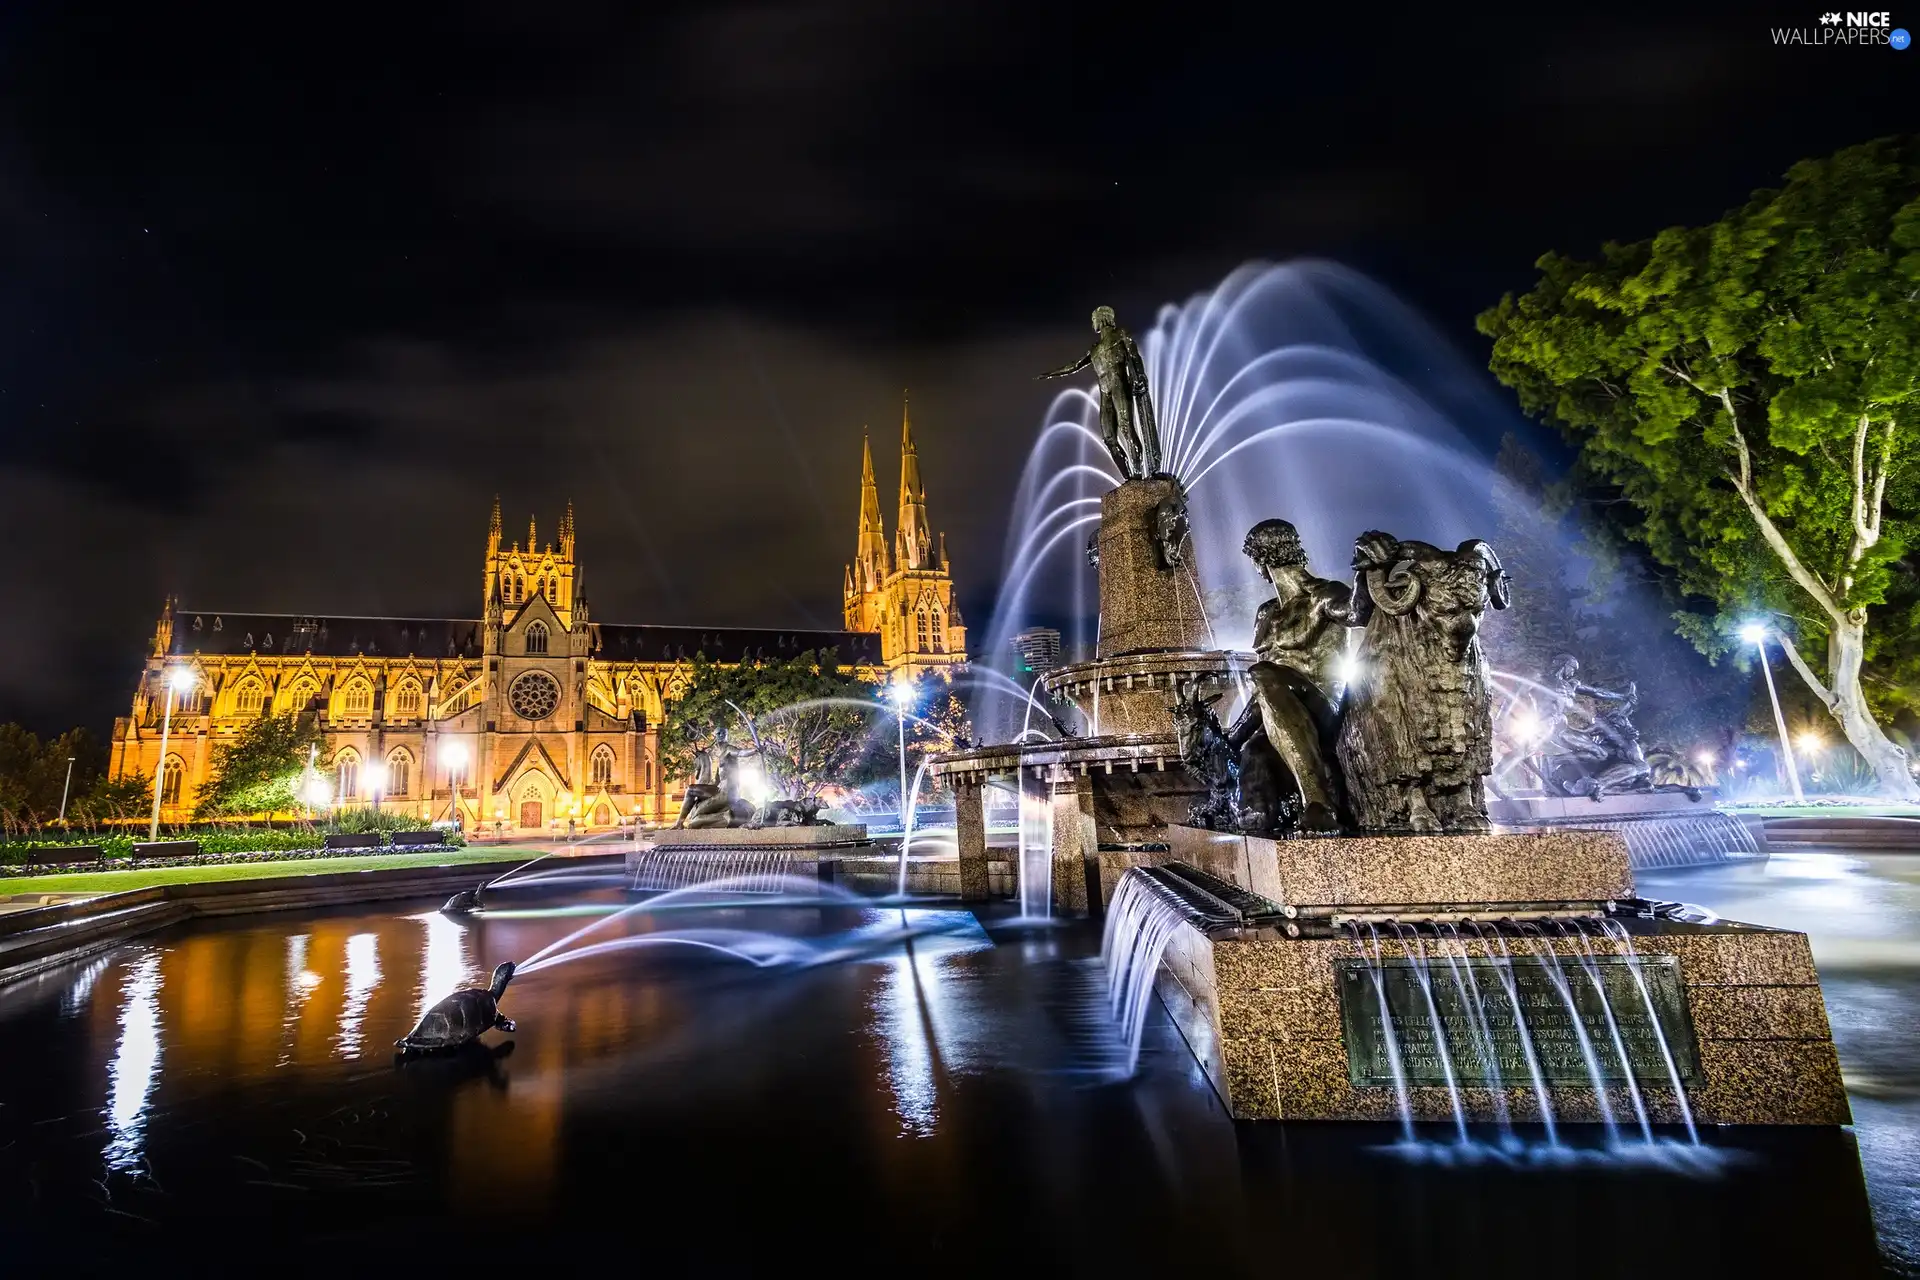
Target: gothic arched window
{"points": [[939, 630], [925, 632], [252, 696], [407, 701], [346, 773], [399, 772], [537, 637], [170, 774], [603, 766], [359, 699], [553, 591]]}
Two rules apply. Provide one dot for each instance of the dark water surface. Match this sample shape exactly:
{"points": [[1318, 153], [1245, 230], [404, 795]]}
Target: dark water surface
{"points": [[226, 1096]]}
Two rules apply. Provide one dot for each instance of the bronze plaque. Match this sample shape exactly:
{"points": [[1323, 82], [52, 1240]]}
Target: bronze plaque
{"points": [[1485, 1043]]}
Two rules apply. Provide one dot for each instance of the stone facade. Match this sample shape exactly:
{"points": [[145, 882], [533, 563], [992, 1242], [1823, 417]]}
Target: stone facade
{"points": [[540, 716]]}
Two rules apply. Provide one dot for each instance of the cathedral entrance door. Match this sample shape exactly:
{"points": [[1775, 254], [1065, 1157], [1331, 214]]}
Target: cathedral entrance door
{"points": [[530, 813]]}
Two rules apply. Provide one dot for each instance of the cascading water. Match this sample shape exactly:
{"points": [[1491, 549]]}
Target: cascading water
{"points": [[1140, 924], [1456, 1023], [1036, 856], [748, 870]]}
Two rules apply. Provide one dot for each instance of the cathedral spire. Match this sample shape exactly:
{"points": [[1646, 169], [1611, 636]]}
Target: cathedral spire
{"points": [[870, 559], [493, 526], [914, 536], [533, 538], [566, 531]]}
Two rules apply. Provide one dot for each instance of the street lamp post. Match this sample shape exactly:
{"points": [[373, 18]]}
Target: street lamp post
{"points": [[376, 783], [179, 680], [902, 694], [1755, 634], [66, 787], [455, 756]]}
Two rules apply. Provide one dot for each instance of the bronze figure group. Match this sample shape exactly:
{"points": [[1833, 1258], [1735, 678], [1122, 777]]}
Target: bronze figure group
{"points": [[1396, 735]]}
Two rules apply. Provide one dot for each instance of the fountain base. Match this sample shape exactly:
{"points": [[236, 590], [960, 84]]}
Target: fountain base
{"points": [[1267, 980], [1264, 1017]]}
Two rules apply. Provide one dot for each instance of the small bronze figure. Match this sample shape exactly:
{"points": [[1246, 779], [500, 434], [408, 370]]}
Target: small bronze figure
{"points": [[1170, 529], [1126, 403]]}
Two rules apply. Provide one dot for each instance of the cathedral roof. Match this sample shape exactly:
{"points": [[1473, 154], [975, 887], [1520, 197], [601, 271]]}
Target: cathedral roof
{"points": [[616, 642], [286, 633], [242, 633]]}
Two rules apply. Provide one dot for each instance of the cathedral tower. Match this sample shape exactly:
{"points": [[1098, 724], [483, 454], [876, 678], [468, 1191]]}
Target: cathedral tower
{"points": [[515, 575], [908, 597]]}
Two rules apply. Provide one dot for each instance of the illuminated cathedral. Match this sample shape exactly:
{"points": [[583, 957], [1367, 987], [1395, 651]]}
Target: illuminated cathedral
{"points": [[532, 716]]}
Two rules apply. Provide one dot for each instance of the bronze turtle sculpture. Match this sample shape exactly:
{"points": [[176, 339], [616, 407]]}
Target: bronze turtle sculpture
{"points": [[465, 902], [461, 1017]]}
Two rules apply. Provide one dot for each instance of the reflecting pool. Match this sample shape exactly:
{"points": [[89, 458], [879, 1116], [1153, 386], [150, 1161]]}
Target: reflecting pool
{"points": [[945, 1097]]}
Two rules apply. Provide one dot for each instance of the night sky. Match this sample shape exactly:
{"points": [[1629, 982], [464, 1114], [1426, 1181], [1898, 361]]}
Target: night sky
{"points": [[288, 294]]}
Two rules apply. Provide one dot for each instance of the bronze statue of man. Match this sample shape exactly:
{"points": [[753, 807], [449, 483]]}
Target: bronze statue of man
{"points": [[713, 797], [1126, 404], [1300, 636]]}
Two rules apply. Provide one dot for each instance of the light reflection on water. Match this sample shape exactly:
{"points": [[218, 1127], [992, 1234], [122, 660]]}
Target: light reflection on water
{"points": [[444, 966], [135, 1068], [1861, 915], [363, 976]]}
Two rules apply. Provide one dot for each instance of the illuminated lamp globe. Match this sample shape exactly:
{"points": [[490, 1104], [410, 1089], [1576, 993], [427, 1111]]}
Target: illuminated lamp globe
{"points": [[1753, 632]]}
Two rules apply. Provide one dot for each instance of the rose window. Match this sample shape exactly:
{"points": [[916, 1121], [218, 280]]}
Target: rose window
{"points": [[534, 695]]}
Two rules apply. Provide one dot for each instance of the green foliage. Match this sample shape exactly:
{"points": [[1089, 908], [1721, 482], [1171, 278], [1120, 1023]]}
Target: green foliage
{"points": [[1733, 379], [800, 706], [112, 800], [260, 771], [34, 773], [362, 819]]}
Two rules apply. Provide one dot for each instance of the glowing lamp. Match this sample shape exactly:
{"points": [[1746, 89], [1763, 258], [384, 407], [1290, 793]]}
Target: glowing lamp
{"points": [[1526, 726], [1704, 758], [1347, 670], [180, 679], [1809, 742], [453, 754], [1753, 632], [376, 778], [902, 694], [317, 794]]}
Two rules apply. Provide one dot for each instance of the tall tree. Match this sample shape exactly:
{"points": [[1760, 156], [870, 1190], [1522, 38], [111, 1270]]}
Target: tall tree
{"points": [[1749, 388], [259, 772], [811, 716]]}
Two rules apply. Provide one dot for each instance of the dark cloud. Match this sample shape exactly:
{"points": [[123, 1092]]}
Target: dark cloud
{"points": [[288, 297]]}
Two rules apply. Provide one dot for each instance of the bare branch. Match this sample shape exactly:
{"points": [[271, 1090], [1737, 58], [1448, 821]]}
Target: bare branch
{"points": [[1799, 664]]}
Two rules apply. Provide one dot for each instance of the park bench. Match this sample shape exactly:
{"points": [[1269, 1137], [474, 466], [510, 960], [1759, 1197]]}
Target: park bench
{"points": [[406, 839], [53, 854], [361, 840], [166, 849]]}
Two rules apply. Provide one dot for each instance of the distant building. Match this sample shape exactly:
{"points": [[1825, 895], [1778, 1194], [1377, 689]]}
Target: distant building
{"points": [[1039, 649], [905, 596]]}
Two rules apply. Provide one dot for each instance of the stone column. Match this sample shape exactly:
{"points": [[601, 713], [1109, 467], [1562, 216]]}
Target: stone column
{"points": [[970, 833], [1145, 606], [1076, 845]]}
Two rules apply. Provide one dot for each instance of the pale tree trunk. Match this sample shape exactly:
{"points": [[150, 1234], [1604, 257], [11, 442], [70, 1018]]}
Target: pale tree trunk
{"points": [[1847, 703], [1841, 693]]}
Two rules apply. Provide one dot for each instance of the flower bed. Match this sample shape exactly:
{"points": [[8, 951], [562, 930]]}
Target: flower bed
{"points": [[215, 848]]}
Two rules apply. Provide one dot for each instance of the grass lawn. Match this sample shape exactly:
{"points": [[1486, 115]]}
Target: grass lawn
{"points": [[140, 878]]}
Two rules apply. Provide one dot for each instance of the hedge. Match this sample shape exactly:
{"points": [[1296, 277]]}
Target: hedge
{"points": [[213, 844]]}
